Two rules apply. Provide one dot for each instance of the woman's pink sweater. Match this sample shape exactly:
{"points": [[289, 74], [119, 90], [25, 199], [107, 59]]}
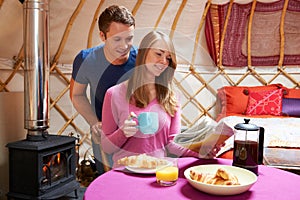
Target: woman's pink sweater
{"points": [[116, 110]]}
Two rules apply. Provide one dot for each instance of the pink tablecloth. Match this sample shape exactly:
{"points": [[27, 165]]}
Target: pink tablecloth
{"points": [[271, 184]]}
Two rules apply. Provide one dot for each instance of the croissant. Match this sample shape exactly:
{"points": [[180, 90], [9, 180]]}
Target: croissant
{"points": [[201, 177], [221, 177]]}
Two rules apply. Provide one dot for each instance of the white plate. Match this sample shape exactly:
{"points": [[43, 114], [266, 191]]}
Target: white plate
{"points": [[143, 170], [245, 177]]}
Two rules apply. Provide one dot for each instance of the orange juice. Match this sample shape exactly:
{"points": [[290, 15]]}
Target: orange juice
{"points": [[167, 176]]}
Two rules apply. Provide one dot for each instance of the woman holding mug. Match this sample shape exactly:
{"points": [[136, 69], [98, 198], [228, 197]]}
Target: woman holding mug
{"points": [[148, 90]]}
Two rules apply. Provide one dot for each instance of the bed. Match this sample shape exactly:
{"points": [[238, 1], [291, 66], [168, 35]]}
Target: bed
{"points": [[274, 107]]}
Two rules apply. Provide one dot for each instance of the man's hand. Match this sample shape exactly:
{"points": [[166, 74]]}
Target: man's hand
{"points": [[96, 132]]}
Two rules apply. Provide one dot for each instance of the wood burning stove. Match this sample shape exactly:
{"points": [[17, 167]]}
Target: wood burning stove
{"points": [[42, 169], [42, 166]]}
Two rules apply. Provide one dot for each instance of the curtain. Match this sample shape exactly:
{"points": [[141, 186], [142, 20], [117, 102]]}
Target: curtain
{"points": [[265, 33]]}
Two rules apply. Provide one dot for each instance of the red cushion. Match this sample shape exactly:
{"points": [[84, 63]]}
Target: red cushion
{"points": [[233, 99], [293, 93], [267, 102], [227, 154]]}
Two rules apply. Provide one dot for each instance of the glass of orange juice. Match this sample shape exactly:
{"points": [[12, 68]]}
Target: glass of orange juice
{"points": [[167, 175]]}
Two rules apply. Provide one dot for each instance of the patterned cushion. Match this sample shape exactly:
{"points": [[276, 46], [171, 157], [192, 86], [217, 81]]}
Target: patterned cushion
{"points": [[234, 99], [265, 102], [291, 107]]}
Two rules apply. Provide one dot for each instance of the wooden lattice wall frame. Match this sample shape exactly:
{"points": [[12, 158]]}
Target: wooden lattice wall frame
{"points": [[197, 85]]}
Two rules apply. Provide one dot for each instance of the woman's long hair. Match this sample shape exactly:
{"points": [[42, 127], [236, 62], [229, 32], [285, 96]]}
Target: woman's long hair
{"points": [[137, 91]]}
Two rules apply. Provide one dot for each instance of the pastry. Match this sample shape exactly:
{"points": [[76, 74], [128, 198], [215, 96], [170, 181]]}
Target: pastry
{"points": [[142, 161], [221, 177]]}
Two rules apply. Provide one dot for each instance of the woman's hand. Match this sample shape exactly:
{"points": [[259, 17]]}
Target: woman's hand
{"points": [[210, 151], [129, 128]]}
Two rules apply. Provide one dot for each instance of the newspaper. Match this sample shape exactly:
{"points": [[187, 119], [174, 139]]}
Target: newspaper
{"points": [[204, 135]]}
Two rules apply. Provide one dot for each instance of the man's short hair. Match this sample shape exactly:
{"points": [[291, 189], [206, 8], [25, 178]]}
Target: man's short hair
{"points": [[115, 13]]}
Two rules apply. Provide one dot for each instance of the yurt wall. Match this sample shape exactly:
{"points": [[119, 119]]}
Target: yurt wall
{"points": [[218, 43]]}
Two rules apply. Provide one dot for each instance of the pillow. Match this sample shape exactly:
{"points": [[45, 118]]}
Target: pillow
{"points": [[234, 99], [293, 93], [267, 102], [291, 107]]}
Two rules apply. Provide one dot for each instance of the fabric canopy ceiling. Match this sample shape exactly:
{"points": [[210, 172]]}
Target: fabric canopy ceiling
{"points": [[73, 27]]}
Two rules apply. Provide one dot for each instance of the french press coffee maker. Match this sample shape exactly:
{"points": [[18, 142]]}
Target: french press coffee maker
{"points": [[248, 146]]}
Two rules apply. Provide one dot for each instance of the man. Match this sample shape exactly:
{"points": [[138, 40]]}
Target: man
{"points": [[101, 67]]}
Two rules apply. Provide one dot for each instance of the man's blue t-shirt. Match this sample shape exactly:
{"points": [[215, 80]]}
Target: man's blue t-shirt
{"points": [[91, 67]]}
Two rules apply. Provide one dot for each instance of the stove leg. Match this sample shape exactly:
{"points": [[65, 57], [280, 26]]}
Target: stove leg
{"points": [[76, 194]]}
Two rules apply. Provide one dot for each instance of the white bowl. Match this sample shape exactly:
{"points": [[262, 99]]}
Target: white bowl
{"points": [[245, 177]]}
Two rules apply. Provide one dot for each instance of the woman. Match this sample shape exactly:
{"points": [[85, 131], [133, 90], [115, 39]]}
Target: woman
{"points": [[148, 90]]}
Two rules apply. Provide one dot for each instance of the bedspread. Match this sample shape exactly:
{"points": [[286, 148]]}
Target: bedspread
{"points": [[279, 132]]}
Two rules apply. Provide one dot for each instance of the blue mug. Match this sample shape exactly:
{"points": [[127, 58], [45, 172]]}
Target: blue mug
{"points": [[148, 122]]}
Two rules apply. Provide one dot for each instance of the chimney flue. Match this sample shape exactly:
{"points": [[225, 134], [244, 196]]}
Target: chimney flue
{"points": [[36, 73]]}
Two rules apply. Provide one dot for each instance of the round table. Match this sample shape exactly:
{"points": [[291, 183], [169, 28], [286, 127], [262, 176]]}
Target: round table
{"points": [[272, 184]]}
